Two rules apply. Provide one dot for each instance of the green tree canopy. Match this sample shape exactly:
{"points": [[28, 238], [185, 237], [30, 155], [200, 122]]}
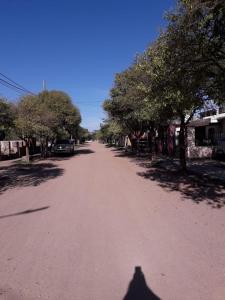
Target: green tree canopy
{"points": [[63, 114], [46, 116], [7, 115], [177, 74]]}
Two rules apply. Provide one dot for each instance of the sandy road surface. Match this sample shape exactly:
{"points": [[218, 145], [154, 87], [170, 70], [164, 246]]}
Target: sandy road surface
{"points": [[76, 228]]}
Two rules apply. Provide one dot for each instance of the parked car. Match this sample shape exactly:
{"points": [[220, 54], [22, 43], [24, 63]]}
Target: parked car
{"points": [[63, 146]]}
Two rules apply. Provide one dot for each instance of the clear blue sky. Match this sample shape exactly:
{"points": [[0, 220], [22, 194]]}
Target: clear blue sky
{"points": [[76, 46]]}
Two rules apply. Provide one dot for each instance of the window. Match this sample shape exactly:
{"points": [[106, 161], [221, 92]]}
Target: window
{"points": [[200, 136]]}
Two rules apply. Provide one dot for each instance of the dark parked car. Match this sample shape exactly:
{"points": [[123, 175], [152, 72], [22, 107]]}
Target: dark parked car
{"points": [[63, 146]]}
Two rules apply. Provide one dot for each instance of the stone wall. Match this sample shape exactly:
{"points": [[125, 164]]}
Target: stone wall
{"points": [[196, 151]]}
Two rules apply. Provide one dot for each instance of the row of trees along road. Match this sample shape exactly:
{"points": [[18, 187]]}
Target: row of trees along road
{"points": [[44, 117], [176, 76]]}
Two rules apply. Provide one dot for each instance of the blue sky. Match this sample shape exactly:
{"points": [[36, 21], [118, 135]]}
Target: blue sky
{"points": [[75, 46]]}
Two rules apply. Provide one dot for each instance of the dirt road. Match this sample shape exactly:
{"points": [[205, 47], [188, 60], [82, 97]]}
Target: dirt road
{"points": [[90, 228]]}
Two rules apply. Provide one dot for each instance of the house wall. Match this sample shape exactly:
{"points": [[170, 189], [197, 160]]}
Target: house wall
{"points": [[216, 128], [10, 147], [223, 126], [196, 151]]}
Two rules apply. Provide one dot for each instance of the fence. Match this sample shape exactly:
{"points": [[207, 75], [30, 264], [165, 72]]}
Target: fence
{"points": [[12, 148]]}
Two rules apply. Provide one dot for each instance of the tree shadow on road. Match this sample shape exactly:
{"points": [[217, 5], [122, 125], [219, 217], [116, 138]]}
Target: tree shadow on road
{"points": [[190, 186], [138, 288], [24, 175], [141, 156], [63, 156], [83, 151], [60, 157], [25, 212], [109, 146], [85, 144]]}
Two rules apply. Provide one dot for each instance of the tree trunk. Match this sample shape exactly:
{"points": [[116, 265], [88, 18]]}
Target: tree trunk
{"points": [[151, 141], [138, 146], [27, 152], [42, 149], [18, 149], [132, 142], [182, 143], [46, 147]]}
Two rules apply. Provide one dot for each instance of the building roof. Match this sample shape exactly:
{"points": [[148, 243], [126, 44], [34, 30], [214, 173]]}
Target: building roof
{"points": [[212, 120], [200, 122]]}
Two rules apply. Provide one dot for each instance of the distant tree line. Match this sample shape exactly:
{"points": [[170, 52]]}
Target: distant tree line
{"points": [[44, 117], [175, 77]]}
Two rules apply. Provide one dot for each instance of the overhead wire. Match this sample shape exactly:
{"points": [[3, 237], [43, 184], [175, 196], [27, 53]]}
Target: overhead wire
{"points": [[13, 85], [9, 83], [19, 85], [12, 88]]}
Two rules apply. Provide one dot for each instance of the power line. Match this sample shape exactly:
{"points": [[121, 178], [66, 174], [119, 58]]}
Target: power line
{"points": [[10, 87], [19, 85], [11, 83]]}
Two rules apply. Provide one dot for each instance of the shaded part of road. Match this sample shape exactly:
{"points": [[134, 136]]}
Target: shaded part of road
{"points": [[138, 288], [23, 175], [83, 151], [190, 185], [28, 211], [77, 151]]}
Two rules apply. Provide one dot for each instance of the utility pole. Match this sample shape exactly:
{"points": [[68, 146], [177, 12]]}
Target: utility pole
{"points": [[43, 85]]}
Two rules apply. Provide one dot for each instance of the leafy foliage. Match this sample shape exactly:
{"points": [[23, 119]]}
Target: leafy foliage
{"points": [[176, 75], [7, 114], [46, 116], [61, 115]]}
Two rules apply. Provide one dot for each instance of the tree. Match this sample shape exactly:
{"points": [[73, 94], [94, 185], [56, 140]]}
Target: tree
{"points": [[128, 105], [7, 115], [177, 75], [46, 116], [110, 132], [65, 115], [193, 60], [82, 134], [60, 115], [206, 23], [175, 84], [28, 120]]}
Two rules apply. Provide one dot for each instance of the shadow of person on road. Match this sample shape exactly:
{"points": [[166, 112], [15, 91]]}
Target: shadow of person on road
{"points": [[28, 211], [138, 289]]}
